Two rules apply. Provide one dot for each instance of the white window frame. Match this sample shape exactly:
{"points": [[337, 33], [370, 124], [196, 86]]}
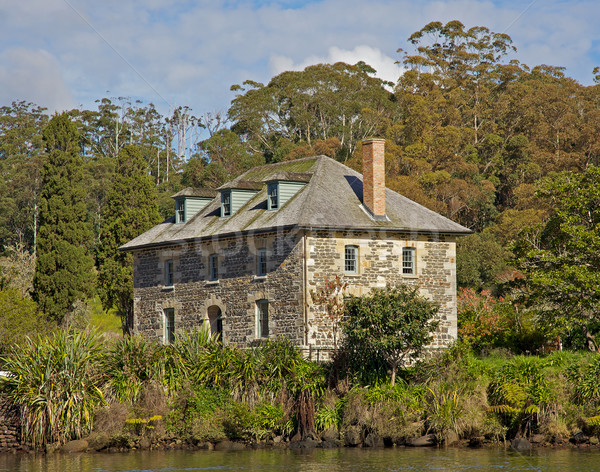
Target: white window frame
{"points": [[262, 319], [179, 211], [169, 325], [273, 196], [261, 262], [169, 273], [351, 259], [213, 267], [409, 261], [226, 203]]}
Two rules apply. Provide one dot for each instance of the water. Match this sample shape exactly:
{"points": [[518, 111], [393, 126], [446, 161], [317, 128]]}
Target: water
{"points": [[337, 460]]}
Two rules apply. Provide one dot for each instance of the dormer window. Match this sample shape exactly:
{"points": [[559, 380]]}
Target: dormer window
{"points": [[226, 203], [236, 194], [283, 186], [273, 192], [190, 201]]}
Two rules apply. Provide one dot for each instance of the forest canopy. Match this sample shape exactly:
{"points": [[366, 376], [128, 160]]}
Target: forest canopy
{"points": [[470, 133]]}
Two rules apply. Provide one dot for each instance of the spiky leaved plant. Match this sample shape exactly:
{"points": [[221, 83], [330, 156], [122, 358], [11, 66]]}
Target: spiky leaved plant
{"points": [[54, 383], [131, 363]]}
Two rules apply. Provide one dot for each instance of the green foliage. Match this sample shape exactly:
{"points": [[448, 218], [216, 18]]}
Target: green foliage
{"points": [[445, 411], [519, 391], [130, 364], [64, 272], [17, 269], [328, 416], [20, 318], [585, 378], [103, 321], [561, 260], [487, 322], [55, 384], [480, 261], [395, 323], [21, 160], [130, 210]]}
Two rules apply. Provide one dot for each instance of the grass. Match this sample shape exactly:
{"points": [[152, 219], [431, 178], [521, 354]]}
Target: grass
{"points": [[103, 321]]}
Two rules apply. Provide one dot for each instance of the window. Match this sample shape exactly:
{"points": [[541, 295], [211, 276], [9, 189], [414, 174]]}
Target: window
{"points": [[408, 261], [226, 203], [261, 262], [169, 273], [179, 211], [273, 199], [214, 267], [169, 323], [351, 260], [215, 320], [262, 307]]}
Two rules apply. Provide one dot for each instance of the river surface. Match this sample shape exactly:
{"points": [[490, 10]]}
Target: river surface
{"points": [[336, 460]]}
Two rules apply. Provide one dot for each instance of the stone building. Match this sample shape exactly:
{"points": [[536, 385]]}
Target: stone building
{"points": [[245, 258]]}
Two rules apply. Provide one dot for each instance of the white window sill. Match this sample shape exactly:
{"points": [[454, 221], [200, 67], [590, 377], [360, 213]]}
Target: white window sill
{"points": [[168, 288], [259, 278], [212, 282], [410, 276]]}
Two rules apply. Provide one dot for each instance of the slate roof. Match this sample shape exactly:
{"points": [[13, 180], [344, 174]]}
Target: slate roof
{"points": [[331, 199], [196, 192]]}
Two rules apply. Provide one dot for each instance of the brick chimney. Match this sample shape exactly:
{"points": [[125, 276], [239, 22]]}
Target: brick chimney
{"points": [[374, 176]]}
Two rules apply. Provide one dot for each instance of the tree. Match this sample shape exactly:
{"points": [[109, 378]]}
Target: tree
{"points": [[395, 323], [65, 269], [561, 259], [331, 297], [20, 319], [130, 210], [21, 160]]}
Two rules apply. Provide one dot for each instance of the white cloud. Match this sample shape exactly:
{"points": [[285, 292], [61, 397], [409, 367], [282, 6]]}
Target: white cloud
{"points": [[385, 66], [35, 76], [191, 52]]}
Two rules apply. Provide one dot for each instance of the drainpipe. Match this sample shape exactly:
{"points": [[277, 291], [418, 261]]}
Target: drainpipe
{"points": [[305, 287]]}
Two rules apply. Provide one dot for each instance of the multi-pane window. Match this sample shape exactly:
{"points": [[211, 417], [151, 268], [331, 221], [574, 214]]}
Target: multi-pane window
{"points": [[180, 211], [408, 261], [262, 308], [213, 267], [169, 323], [273, 199], [351, 260], [169, 273], [226, 203], [261, 262]]}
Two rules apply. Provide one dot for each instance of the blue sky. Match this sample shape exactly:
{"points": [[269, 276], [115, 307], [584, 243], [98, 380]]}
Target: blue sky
{"points": [[63, 54]]}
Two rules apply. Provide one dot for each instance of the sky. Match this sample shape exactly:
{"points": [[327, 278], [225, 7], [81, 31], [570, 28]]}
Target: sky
{"points": [[64, 54]]}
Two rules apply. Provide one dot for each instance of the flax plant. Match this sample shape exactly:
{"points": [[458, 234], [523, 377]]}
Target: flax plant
{"points": [[54, 383], [130, 364]]}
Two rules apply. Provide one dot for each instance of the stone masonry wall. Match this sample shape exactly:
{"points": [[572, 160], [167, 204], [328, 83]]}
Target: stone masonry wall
{"points": [[380, 263], [10, 426], [236, 291]]}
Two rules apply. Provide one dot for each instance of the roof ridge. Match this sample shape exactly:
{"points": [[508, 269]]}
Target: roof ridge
{"points": [[276, 164]]}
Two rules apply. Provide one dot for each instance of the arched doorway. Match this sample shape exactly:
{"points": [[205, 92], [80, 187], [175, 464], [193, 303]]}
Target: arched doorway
{"points": [[215, 319]]}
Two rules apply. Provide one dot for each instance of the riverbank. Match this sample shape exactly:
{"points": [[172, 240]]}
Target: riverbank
{"points": [[135, 394], [95, 444]]}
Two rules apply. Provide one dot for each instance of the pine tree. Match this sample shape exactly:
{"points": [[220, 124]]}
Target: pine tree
{"points": [[131, 209], [65, 267]]}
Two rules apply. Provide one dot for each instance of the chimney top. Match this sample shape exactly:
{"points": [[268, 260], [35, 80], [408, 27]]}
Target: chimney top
{"points": [[374, 176]]}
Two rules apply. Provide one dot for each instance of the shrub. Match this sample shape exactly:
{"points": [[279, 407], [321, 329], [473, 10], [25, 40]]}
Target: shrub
{"points": [[395, 323], [520, 392], [54, 382], [130, 364]]}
